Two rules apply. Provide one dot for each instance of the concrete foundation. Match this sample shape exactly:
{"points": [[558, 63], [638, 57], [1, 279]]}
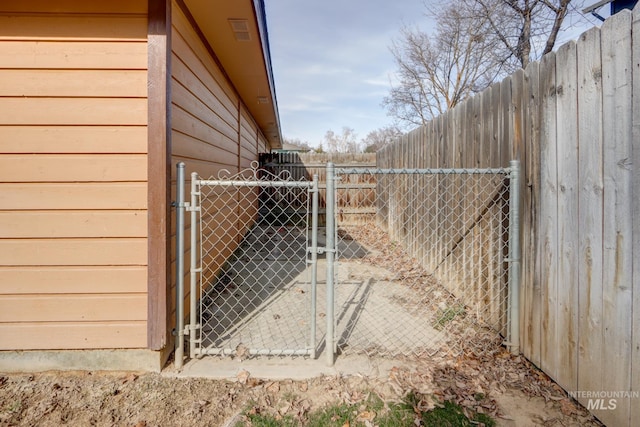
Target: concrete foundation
{"points": [[84, 360], [281, 368]]}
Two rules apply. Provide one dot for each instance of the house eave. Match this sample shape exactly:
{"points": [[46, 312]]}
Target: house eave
{"points": [[246, 62]]}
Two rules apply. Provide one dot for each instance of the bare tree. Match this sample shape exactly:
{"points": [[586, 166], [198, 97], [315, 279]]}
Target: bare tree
{"points": [[341, 143], [379, 138], [438, 71], [526, 29]]}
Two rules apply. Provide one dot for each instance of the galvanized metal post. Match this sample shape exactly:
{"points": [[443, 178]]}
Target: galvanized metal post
{"points": [[330, 252], [514, 257], [179, 344], [314, 262], [193, 268]]}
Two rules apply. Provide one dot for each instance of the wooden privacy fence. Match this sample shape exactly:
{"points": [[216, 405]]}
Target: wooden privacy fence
{"points": [[573, 120], [356, 197]]}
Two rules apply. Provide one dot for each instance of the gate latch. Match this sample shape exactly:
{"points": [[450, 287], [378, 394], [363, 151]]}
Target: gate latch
{"points": [[320, 250]]}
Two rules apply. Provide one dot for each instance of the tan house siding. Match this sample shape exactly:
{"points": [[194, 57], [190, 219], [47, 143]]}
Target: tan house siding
{"points": [[204, 106], [262, 144], [212, 130], [249, 148], [73, 174], [248, 140]]}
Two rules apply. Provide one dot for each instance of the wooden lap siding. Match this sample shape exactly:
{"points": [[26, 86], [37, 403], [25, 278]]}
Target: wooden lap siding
{"points": [[73, 174], [211, 128]]}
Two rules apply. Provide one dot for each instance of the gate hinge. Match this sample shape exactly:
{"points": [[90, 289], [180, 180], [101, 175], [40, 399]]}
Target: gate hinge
{"points": [[189, 328], [190, 208], [176, 204]]}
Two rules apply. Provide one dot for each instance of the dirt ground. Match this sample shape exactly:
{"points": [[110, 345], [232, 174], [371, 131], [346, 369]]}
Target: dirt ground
{"points": [[483, 377], [513, 392]]}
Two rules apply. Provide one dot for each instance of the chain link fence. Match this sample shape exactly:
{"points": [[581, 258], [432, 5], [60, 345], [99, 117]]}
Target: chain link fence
{"points": [[423, 259], [401, 262]]}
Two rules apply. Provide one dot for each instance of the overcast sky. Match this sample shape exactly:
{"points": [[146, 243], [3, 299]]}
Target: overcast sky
{"points": [[332, 64]]}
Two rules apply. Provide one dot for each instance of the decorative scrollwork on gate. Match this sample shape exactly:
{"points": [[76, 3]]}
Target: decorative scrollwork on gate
{"points": [[256, 173]]}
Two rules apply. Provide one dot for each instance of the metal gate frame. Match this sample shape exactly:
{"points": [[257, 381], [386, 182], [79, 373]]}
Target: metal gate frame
{"points": [[193, 328], [332, 176]]}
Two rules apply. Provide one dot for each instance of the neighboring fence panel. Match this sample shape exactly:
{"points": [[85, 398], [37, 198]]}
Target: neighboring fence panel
{"points": [[571, 121], [359, 191]]}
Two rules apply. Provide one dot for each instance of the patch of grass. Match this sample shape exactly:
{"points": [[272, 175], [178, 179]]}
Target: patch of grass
{"points": [[336, 415], [260, 420], [289, 396], [254, 416], [13, 407], [375, 403], [397, 415], [484, 419], [379, 413], [451, 415], [445, 316]]}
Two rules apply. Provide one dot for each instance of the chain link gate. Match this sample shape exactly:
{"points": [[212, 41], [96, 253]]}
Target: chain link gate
{"points": [[253, 265], [417, 261]]}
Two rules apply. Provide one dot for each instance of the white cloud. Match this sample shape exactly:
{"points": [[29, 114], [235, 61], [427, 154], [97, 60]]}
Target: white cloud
{"points": [[380, 81]]}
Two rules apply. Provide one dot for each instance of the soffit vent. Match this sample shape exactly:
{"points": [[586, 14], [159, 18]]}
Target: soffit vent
{"points": [[240, 28]]}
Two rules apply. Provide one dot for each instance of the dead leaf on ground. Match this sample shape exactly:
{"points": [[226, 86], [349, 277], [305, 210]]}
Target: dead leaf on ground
{"points": [[243, 376], [366, 416], [305, 405], [284, 408], [567, 407], [242, 352], [272, 387], [129, 378], [254, 382]]}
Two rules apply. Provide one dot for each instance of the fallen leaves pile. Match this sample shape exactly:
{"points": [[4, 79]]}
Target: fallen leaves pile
{"points": [[470, 381], [388, 253]]}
